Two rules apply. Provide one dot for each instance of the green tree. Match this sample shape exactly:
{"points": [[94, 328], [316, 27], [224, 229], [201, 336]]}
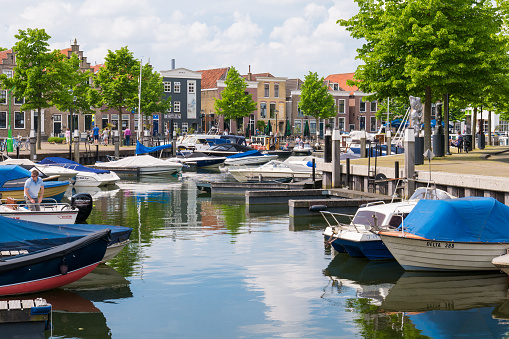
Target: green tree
{"points": [[421, 47], [2, 49], [235, 102], [117, 81], [315, 99], [78, 97], [37, 75]]}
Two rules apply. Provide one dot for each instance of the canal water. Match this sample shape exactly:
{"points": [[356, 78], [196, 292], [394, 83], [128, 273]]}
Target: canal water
{"points": [[204, 267]]}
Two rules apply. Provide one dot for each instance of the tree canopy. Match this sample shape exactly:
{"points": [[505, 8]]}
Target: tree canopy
{"points": [[235, 102], [38, 73], [429, 47], [315, 100]]}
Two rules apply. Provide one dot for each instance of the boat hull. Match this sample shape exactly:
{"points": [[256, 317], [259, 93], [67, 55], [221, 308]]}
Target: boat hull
{"points": [[360, 244], [52, 190], [48, 217], [54, 267], [429, 255], [89, 179]]}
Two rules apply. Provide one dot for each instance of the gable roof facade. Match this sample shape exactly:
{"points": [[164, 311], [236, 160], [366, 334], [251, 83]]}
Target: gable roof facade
{"points": [[341, 80]]}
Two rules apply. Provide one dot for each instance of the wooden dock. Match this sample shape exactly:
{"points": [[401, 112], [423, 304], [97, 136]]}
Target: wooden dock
{"points": [[24, 318]]}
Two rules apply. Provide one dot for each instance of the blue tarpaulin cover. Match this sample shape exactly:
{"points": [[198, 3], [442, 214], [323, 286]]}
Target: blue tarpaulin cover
{"points": [[471, 219], [33, 236], [10, 173], [141, 149], [253, 153], [63, 162]]}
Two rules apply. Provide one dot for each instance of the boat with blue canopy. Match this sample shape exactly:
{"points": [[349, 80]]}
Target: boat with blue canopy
{"points": [[463, 234], [252, 157]]}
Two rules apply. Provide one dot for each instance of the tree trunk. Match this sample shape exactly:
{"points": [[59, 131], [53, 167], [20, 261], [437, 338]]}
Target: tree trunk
{"points": [[474, 126], [39, 128], [489, 129], [427, 119]]}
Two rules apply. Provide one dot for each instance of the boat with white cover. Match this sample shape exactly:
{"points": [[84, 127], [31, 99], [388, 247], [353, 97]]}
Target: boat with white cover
{"points": [[463, 234], [64, 174], [357, 237], [86, 176], [272, 169], [145, 164]]}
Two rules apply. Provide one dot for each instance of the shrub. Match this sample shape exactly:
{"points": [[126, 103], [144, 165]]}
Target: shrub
{"points": [[56, 140]]}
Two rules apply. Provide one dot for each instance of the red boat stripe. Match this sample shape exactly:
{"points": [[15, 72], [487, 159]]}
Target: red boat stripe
{"points": [[47, 283]]}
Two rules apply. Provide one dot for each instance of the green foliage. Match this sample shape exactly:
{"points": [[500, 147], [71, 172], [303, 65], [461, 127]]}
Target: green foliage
{"points": [[420, 47], [260, 124], [117, 81], [2, 49], [38, 75], [235, 102], [397, 109], [57, 140], [315, 100]]}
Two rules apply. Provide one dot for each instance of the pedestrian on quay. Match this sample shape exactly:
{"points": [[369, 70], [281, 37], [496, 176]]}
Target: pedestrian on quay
{"points": [[34, 186], [127, 136], [105, 136], [95, 133], [67, 136]]}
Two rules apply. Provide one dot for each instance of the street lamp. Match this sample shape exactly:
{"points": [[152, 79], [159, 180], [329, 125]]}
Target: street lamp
{"points": [[71, 123], [203, 121], [277, 129]]}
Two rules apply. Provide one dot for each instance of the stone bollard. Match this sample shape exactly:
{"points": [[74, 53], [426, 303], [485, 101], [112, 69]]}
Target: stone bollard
{"points": [[174, 145], [336, 157], [116, 141], [363, 146], [76, 145], [409, 143], [33, 142], [388, 142]]}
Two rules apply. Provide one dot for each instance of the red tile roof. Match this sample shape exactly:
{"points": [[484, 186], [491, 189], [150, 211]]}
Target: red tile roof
{"points": [[3, 55], [96, 68], [258, 75], [209, 77], [66, 51], [341, 80]]}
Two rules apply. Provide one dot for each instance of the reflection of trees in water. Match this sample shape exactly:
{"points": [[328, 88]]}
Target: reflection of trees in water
{"points": [[373, 324], [234, 216]]}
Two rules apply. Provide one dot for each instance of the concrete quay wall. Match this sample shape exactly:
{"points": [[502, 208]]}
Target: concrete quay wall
{"points": [[459, 185]]}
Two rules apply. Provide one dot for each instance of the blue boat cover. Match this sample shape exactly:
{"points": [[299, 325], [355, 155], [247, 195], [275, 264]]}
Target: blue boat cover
{"points": [[63, 162], [141, 149], [471, 219], [12, 172], [33, 236], [253, 153]]}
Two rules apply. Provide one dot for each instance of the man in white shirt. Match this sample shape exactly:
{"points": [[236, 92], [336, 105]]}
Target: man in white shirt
{"points": [[33, 185]]}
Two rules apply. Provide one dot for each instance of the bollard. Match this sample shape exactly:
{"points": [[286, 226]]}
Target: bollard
{"points": [[313, 172], [336, 158], [327, 151], [96, 153], [348, 172], [76, 146], [410, 150], [174, 144], [363, 146], [33, 141], [116, 141]]}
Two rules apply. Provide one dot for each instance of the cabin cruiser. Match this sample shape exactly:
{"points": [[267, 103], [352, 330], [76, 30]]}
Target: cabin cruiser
{"points": [[274, 169], [144, 164], [63, 174]]}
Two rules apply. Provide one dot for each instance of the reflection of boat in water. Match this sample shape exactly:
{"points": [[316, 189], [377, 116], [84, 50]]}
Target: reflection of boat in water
{"points": [[96, 191], [370, 279], [419, 291]]}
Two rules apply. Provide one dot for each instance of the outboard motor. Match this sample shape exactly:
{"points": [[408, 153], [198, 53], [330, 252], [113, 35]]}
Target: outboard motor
{"points": [[83, 202]]}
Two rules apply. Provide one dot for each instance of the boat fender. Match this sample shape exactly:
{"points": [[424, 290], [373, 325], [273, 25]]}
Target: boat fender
{"points": [[317, 208]]}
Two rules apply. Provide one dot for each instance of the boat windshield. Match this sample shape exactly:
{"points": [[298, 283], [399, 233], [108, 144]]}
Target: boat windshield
{"points": [[430, 194], [367, 218]]}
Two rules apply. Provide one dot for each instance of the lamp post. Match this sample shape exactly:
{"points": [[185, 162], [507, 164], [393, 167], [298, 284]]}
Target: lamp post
{"points": [[203, 121], [277, 128], [71, 123], [9, 127]]}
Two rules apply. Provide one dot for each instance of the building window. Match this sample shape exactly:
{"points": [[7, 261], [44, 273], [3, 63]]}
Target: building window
{"points": [[88, 122], [176, 87], [167, 86], [341, 122], [263, 110], [341, 106], [362, 123], [8, 72], [312, 127], [334, 86], [372, 124], [184, 127], [19, 120], [373, 106], [276, 90], [176, 106], [351, 127], [300, 113], [125, 121], [20, 101], [297, 128], [362, 107], [3, 97], [191, 88], [272, 111], [266, 91], [3, 120]]}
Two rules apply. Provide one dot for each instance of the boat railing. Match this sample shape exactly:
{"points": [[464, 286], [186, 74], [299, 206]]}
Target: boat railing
{"points": [[50, 204], [337, 224]]}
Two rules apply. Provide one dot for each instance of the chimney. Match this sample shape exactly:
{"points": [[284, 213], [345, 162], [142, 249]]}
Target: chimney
{"points": [[249, 75], [172, 63]]}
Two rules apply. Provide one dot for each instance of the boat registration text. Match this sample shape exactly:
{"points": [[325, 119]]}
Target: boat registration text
{"points": [[439, 244]]}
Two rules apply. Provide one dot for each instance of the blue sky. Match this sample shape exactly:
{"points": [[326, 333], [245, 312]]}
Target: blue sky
{"points": [[286, 38]]}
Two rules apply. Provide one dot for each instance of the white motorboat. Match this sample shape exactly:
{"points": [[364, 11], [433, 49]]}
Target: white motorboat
{"points": [[64, 174], [272, 169], [49, 213], [253, 157], [197, 159], [303, 149], [145, 164], [86, 176], [463, 234], [357, 237]]}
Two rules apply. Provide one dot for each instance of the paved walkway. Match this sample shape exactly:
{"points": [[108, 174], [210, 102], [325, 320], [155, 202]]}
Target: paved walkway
{"points": [[492, 161], [52, 149]]}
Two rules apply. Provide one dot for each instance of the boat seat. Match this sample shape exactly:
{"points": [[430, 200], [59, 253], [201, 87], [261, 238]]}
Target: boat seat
{"points": [[11, 203], [12, 253]]}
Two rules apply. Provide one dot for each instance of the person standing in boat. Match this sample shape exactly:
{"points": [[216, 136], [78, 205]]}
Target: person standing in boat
{"points": [[34, 191]]}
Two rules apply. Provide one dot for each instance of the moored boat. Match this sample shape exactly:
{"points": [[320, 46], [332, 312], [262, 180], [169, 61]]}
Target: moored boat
{"points": [[53, 267], [144, 164], [463, 234], [272, 169], [252, 157]]}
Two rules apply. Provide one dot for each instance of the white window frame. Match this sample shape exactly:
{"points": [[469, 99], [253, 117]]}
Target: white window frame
{"points": [[372, 124], [266, 90], [362, 106], [339, 106], [5, 114], [8, 72], [24, 119], [341, 122], [276, 90], [176, 87], [176, 106], [3, 97], [298, 123], [191, 86], [371, 106], [185, 127], [263, 111], [19, 102], [167, 86]]}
